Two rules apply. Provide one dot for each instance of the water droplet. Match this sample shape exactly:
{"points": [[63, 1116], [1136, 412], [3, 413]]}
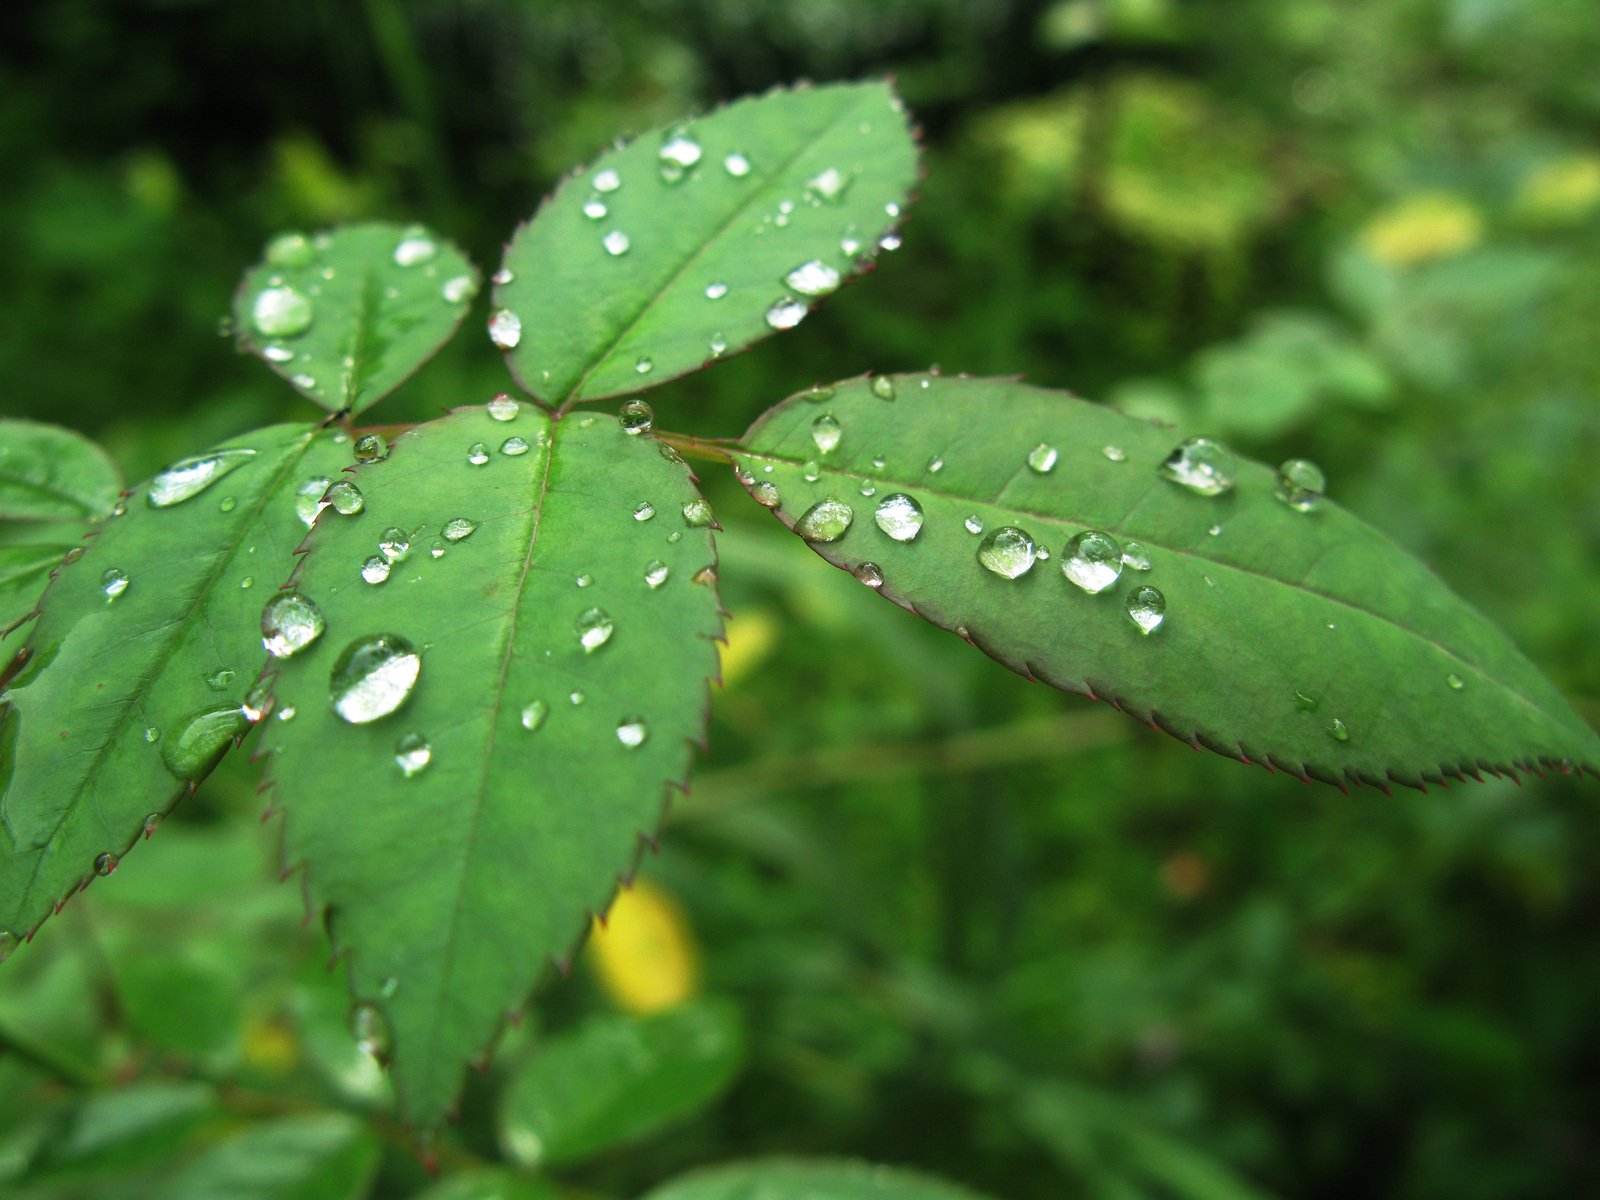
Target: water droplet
{"points": [[534, 714], [1147, 608], [1008, 551], [889, 241], [372, 677], [1042, 459], [289, 623], [286, 713], [813, 278], [705, 576], [280, 312], [828, 186], [817, 393], [716, 291], [190, 476], [644, 365], [1203, 466], [718, 346], [503, 407], [412, 753], [736, 163], [370, 1031], [152, 822], [644, 510], [595, 628], [575, 699], [505, 328], [607, 180], [616, 243], [415, 249], [346, 498], [656, 573], [1115, 453], [899, 516], [152, 735], [826, 432], [811, 471], [1214, 530], [202, 739], [850, 243], [1305, 703], [1337, 730], [636, 417], [273, 352], [679, 152], [632, 732], [375, 569], [868, 488], [477, 454], [458, 289], [370, 448], [826, 521], [513, 447], [104, 864], [1300, 484], [290, 250], [1092, 560], [786, 313], [458, 529], [883, 387], [1134, 555], [114, 582], [869, 573], [695, 513], [255, 701], [594, 208], [304, 381], [219, 680], [766, 494], [308, 498], [1455, 682]]}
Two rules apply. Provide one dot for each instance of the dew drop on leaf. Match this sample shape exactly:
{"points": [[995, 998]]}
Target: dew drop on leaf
{"points": [[190, 476], [718, 346], [458, 529], [973, 524], [594, 208], [644, 365], [505, 328], [280, 312], [104, 864], [644, 510], [696, 513], [308, 498], [370, 448], [899, 516], [376, 569], [1305, 703], [716, 291], [636, 417], [869, 573], [1008, 552], [828, 186], [679, 152], [1115, 453], [415, 249], [883, 387], [632, 732], [273, 352], [1455, 682], [605, 181], [826, 432], [534, 714], [152, 822], [372, 677], [201, 739], [219, 680], [289, 623], [1042, 459], [1135, 556], [736, 163], [786, 313], [1204, 466], [616, 243], [458, 289], [935, 465], [114, 582], [825, 521], [503, 408], [1147, 608], [514, 447], [656, 573], [595, 628], [346, 498], [1337, 730], [813, 278], [811, 471], [412, 753], [370, 1031], [1300, 484], [575, 699], [290, 250]]}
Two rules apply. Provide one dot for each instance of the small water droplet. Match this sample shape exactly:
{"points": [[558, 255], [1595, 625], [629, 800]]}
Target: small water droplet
{"points": [[786, 313], [370, 448], [644, 365], [973, 523], [868, 488], [616, 243], [766, 494], [255, 701], [656, 573], [219, 680], [811, 471], [286, 713], [696, 513], [678, 154], [736, 163], [8, 944], [1214, 530], [503, 407], [869, 573], [1008, 552], [594, 208], [817, 393], [372, 677], [718, 346], [114, 582], [899, 516], [375, 569], [607, 180], [828, 186], [458, 529], [370, 1031], [190, 476], [513, 447], [104, 864], [575, 699], [595, 628], [850, 243], [890, 241], [1115, 453], [458, 289], [813, 278], [304, 381], [1455, 682], [201, 740], [1134, 555], [825, 521], [152, 735], [273, 352], [346, 498], [636, 417], [1203, 466], [281, 312], [716, 291], [643, 510], [308, 498], [935, 465], [152, 822], [1042, 459], [826, 432], [505, 328], [415, 249], [1337, 730], [412, 753], [290, 250], [289, 623], [477, 454], [534, 714], [883, 387], [1147, 608], [878, 462], [1300, 484]]}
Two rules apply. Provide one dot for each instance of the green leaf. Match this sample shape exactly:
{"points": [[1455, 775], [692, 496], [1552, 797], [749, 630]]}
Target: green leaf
{"points": [[317, 1156], [608, 285], [615, 1079], [490, 1185], [1278, 623], [451, 888], [48, 473], [24, 572], [808, 1179], [348, 316], [125, 701], [121, 1130]]}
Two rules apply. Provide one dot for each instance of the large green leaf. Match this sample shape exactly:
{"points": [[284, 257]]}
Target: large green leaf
{"points": [[1305, 641], [143, 650], [48, 473], [679, 247], [348, 316], [24, 571], [314, 1156], [808, 1179], [617, 1078], [451, 887], [117, 1132]]}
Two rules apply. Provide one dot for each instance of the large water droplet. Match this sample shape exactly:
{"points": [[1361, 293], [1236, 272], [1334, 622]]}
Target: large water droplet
{"points": [[656, 573], [616, 243], [415, 249], [308, 498], [1201, 465], [458, 529], [1300, 484], [786, 313], [370, 1031], [534, 714], [1042, 459], [644, 510], [289, 623], [1092, 560], [825, 521], [636, 417], [632, 732], [412, 753], [1008, 551], [607, 180], [505, 328], [477, 454], [813, 278], [281, 312], [513, 447], [190, 476], [376, 569], [1134, 555], [883, 387], [290, 250], [679, 152], [114, 582], [826, 432], [869, 573], [346, 498], [1147, 608], [202, 739], [503, 408], [595, 628], [370, 448], [900, 516], [696, 513], [372, 677]]}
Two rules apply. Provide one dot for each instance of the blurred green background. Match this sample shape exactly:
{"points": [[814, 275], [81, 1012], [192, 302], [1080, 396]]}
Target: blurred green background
{"points": [[967, 924]]}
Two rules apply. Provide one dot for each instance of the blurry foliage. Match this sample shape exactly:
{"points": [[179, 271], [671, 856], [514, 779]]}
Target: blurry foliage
{"points": [[970, 926]]}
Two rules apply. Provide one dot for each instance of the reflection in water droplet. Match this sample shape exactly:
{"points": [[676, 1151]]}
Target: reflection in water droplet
{"points": [[1203, 466], [811, 471], [632, 732], [255, 701], [826, 432], [289, 623], [412, 753], [505, 328], [372, 677], [513, 447], [595, 628], [636, 417], [503, 407], [1337, 730], [883, 387], [308, 498], [346, 498], [370, 448], [973, 523], [869, 573], [1008, 552], [786, 313], [1300, 484], [1147, 608], [643, 510], [114, 582], [584, 580], [190, 476], [889, 242], [375, 569], [766, 494], [616, 243], [695, 513], [458, 528], [718, 346], [656, 573], [900, 516], [813, 278], [1134, 555], [534, 714], [607, 180], [477, 454], [1115, 453], [152, 822], [825, 521], [104, 864], [1042, 459], [201, 740], [828, 186], [281, 312]]}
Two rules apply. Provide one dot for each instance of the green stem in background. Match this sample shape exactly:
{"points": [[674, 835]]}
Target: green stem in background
{"points": [[408, 75]]}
